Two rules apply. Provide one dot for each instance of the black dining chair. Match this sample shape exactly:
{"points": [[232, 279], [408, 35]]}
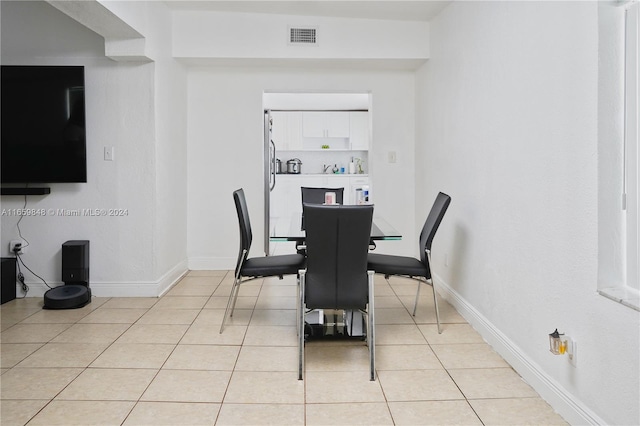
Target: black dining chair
{"points": [[336, 275], [417, 269], [316, 195], [312, 195], [256, 267]]}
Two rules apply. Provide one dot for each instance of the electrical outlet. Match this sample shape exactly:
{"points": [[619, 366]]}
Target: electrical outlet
{"points": [[17, 243], [109, 153], [573, 355]]}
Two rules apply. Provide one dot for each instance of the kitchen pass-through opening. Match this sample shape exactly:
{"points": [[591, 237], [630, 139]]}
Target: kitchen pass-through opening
{"points": [[313, 139]]}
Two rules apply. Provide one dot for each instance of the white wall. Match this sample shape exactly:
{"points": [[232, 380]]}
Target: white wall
{"points": [[225, 112], [226, 151], [246, 35], [170, 88], [128, 254], [507, 124]]}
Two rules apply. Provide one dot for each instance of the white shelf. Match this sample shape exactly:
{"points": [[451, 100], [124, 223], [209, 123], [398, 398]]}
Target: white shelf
{"points": [[329, 150], [324, 174]]}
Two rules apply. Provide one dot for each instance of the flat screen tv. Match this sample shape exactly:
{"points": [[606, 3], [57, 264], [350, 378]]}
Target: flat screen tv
{"points": [[43, 124]]}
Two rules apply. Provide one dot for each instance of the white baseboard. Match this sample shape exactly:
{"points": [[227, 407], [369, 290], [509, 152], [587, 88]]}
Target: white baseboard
{"points": [[36, 289], [101, 289], [171, 277], [119, 289], [563, 402]]}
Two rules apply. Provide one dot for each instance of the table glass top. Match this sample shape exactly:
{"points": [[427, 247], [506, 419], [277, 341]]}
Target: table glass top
{"points": [[289, 228]]}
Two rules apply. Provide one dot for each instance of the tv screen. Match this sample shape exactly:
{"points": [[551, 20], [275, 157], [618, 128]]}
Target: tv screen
{"points": [[43, 124]]}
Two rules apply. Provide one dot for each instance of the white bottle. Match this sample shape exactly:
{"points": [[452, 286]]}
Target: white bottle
{"points": [[352, 167]]}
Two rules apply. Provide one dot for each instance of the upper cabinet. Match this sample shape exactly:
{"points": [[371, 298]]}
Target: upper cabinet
{"points": [[286, 130], [320, 130], [325, 124], [359, 130]]}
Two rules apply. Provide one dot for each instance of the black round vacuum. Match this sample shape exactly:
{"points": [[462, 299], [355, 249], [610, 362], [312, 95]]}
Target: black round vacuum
{"points": [[69, 296]]}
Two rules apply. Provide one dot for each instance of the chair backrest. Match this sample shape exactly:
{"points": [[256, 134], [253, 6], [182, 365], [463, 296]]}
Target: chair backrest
{"points": [[244, 224], [431, 225], [337, 240], [316, 195]]}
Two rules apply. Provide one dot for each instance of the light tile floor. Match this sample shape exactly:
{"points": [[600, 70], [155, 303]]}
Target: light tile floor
{"points": [[153, 361]]}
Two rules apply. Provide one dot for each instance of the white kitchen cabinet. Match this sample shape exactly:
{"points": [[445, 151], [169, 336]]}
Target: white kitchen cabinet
{"points": [[325, 124], [286, 130], [286, 197], [359, 130]]}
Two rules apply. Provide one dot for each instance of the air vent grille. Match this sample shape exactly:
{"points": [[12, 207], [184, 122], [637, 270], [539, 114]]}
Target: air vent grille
{"points": [[299, 35]]}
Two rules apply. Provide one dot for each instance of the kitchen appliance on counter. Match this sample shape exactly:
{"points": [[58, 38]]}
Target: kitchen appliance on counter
{"points": [[362, 195], [294, 166], [280, 169]]}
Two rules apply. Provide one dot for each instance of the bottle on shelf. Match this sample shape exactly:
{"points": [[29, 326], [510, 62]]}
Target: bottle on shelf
{"points": [[352, 167]]}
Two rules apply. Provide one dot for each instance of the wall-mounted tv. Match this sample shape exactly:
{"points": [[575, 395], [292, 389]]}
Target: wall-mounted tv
{"points": [[43, 124]]}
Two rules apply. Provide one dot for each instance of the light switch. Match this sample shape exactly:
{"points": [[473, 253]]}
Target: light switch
{"points": [[392, 156], [108, 153]]}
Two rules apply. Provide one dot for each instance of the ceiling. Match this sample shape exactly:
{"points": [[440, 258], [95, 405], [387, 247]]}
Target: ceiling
{"points": [[402, 10]]}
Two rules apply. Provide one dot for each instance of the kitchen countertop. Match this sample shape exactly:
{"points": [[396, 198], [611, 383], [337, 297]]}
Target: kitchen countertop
{"points": [[325, 174]]}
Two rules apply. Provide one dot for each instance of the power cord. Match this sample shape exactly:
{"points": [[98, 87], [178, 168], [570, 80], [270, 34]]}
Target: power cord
{"points": [[16, 252], [20, 277], [24, 286], [24, 208]]}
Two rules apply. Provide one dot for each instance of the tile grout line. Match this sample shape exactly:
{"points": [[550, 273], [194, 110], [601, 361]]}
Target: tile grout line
{"points": [[424, 330]]}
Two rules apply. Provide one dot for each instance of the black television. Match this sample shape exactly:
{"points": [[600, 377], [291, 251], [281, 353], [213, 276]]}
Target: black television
{"points": [[43, 124]]}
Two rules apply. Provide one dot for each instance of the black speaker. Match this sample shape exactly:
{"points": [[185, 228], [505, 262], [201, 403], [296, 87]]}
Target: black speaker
{"points": [[75, 262], [8, 279]]}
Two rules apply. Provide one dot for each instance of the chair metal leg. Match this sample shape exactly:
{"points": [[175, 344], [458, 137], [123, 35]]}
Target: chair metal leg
{"points": [[235, 299], [230, 303], [435, 304], [301, 325], [235, 295], [298, 307], [415, 304], [371, 333], [432, 283], [435, 294]]}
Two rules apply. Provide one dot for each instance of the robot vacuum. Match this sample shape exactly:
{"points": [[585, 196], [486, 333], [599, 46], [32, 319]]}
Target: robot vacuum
{"points": [[69, 296], [75, 293]]}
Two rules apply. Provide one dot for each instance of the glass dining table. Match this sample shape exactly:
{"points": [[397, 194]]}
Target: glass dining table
{"points": [[289, 228]]}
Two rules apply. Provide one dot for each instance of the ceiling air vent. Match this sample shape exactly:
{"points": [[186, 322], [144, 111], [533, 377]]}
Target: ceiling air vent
{"points": [[303, 35]]}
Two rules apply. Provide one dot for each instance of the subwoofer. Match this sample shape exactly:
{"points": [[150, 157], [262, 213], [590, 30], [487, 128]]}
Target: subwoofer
{"points": [[8, 279], [75, 293]]}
